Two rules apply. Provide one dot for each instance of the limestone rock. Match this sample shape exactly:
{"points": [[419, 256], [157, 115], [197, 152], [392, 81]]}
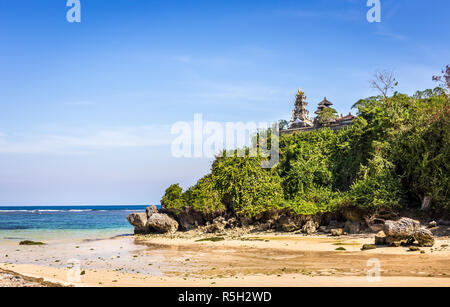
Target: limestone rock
{"points": [[424, 237], [287, 224], [162, 223], [352, 227], [324, 229], [139, 221], [336, 232], [432, 224], [401, 231], [309, 227], [380, 238], [218, 225], [151, 210]]}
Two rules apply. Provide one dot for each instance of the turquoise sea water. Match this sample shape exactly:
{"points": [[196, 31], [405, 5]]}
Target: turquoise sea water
{"points": [[60, 223]]}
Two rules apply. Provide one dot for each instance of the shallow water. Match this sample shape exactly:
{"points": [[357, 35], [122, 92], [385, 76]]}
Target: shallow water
{"points": [[59, 223]]}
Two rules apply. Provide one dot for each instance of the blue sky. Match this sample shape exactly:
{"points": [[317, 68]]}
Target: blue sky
{"points": [[86, 109]]}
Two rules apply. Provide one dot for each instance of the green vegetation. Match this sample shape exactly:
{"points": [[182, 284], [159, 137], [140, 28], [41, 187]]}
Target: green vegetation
{"points": [[366, 247], [327, 115], [396, 153], [31, 243], [213, 239]]}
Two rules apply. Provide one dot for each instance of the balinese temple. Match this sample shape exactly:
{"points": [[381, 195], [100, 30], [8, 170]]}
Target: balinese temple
{"points": [[323, 104], [300, 114]]}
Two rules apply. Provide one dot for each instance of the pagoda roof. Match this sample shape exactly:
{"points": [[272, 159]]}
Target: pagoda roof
{"points": [[325, 102]]}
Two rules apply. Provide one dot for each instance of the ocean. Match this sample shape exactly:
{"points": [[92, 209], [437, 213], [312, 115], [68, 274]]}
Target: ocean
{"points": [[62, 223]]}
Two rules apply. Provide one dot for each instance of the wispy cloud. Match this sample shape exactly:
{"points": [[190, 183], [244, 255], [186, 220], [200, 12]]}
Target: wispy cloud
{"points": [[383, 31], [144, 136]]}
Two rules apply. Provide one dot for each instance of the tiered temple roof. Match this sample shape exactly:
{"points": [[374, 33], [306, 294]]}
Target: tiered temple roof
{"points": [[323, 104]]}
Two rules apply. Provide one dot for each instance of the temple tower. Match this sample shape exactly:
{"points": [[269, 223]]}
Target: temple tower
{"points": [[300, 113]]}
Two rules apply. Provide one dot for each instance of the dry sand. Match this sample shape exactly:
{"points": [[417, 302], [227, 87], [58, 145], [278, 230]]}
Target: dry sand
{"points": [[239, 260]]}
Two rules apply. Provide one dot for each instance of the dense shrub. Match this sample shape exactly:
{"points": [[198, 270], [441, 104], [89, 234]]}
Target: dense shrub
{"points": [[244, 187], [396, 152]]}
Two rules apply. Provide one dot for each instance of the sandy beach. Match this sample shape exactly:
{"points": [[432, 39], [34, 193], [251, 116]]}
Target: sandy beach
{"points": [[235, 259]]}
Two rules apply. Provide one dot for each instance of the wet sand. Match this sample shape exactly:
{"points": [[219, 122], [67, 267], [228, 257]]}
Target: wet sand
{"points": [[242, 260]]}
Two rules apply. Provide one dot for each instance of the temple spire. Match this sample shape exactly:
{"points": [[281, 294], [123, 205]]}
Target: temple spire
{"points": [[300, 113]]}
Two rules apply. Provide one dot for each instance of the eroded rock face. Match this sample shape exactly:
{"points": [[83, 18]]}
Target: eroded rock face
{"points": [[352, 227], [401, 231], [310, 227], [139, 221], [424, 237], [218, 225], [151, 210], [162, 223], [336, 232], [288, 224]]}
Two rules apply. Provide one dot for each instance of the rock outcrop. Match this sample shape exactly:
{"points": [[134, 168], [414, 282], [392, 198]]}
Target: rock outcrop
{"points": [[151, 210], [336, 232], [139, 221], [161, 223], [310, 227], [352, 227], [152, 222], [287, 224], [401, 231], [407, 231], [218, 225], [424, 237], [380, 238]]}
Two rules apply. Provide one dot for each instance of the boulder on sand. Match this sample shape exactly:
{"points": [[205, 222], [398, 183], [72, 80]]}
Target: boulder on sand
{"points": [[380, 238], [401, 231], [139, 221], [309, 227], [161, 223], [424, 237], [336, 232]]}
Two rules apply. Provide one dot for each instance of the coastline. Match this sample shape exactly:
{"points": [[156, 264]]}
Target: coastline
{"points": [[241, 258]]}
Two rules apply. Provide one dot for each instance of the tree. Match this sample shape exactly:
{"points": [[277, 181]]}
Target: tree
{"points": [[444, 79], [327, 115], [284, 124], [384, 82]]}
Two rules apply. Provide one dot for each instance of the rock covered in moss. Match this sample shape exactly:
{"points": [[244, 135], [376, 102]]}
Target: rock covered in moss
{"points": [[368, 247]]}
